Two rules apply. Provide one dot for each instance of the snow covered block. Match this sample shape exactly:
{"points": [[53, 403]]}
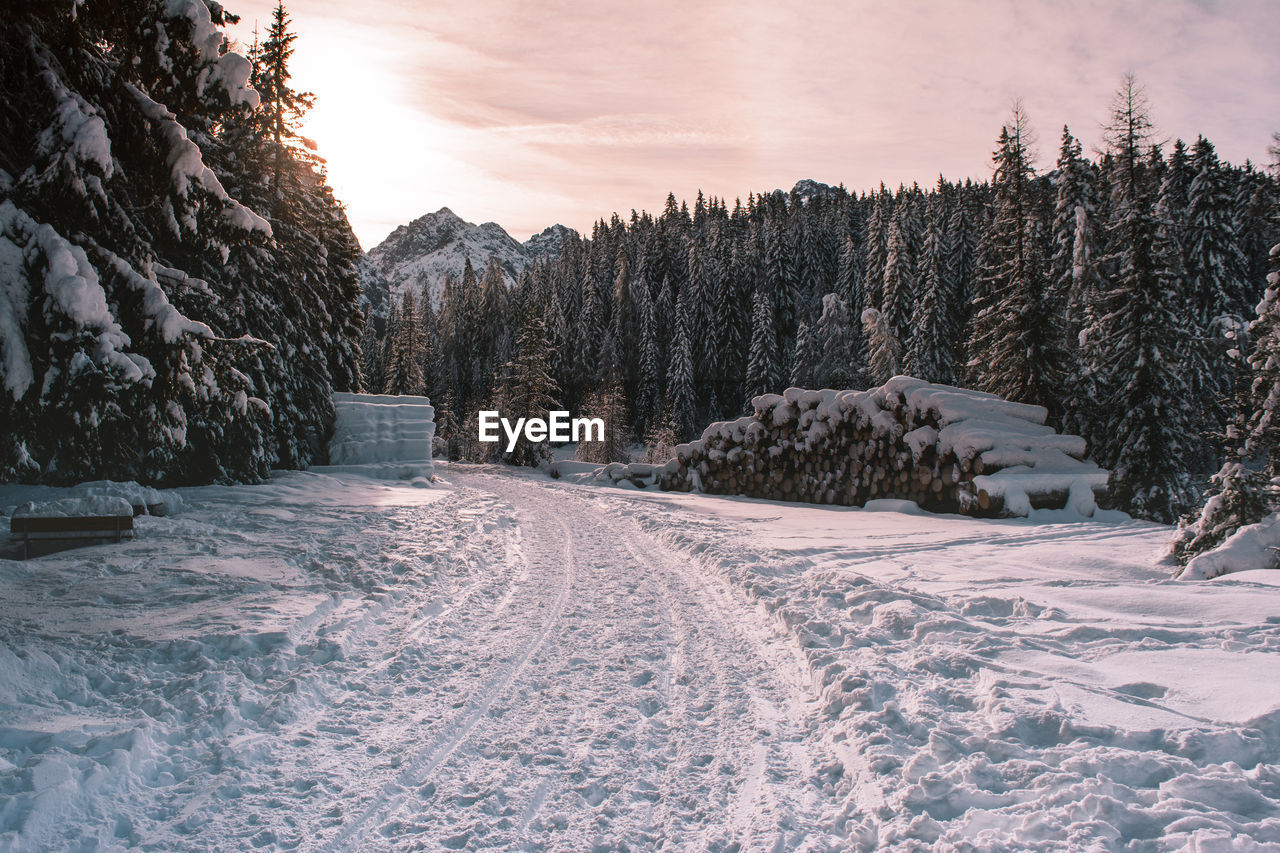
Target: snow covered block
{"points": [[383, 430]]}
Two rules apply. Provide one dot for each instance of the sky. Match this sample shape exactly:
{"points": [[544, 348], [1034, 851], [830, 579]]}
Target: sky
{"points": [[529, 114]]}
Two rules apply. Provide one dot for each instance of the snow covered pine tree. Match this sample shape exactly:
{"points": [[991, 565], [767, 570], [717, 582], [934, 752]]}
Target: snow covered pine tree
{"points": [[141, 331]]}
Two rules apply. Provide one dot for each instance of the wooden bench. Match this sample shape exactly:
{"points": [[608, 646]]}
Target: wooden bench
{"points": [[53, 529]]}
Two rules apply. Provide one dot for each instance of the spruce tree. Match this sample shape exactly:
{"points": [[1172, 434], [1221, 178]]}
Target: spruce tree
{"points": [[899, 284], [884, 352], [934, 321], [1144, 335], [838, 361], [133, 180], [780, 280], [649, 385], [404, 371], [1016, 337], [371, 357], [805, 363], [1245, 489], [876, 247], [849, 273], [527, 389], [608, 404], [764, 371], [681, 402], [1076, 283], [1215, 265], [661, 439]]}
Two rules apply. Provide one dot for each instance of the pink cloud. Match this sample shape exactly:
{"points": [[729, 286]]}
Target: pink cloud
{"points": [[568, 111]]}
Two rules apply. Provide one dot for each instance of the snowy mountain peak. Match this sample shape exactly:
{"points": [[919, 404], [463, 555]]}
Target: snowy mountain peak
{"points": [[549, 241], [807, 189], [422, 253]]}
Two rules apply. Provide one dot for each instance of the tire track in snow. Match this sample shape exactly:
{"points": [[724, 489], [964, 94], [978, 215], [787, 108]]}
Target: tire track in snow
{"points": [[599, 751], [427, 759], [774, 706]]}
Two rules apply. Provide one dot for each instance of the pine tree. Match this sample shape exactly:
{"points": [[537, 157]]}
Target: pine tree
{"points": [[1215, 265], [120, 183], [1263, 430], [780, 280], [371, 353], [934, 321], [304, 298], [963, 227], [284, 106], [838, 364], [493, 338], [876, 247], [1255, 224], [608, 404], [1082, 388], [1076, 283], [649, 386], [1245, 489], [884, 352], [404, 371], [1075, 195], [849, 273], [527, 390], [764, 372], [1144, 337], [1016, 337], [432, 358], [804, 365], [661, 439], [681, 402], [899, 285]]}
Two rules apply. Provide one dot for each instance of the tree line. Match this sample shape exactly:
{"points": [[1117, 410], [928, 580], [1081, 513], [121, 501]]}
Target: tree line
{"points": [[1114, 290]]}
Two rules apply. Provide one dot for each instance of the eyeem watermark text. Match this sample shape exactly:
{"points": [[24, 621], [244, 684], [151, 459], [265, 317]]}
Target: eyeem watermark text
{"points": [[558, 426]]}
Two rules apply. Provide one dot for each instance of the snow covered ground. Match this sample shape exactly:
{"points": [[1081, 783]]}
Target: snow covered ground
{"points": [[504, 662]]}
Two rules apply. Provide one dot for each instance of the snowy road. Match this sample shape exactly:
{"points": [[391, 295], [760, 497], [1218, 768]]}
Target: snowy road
{"points": [[587, 691], [327, 662], [517, 670]]}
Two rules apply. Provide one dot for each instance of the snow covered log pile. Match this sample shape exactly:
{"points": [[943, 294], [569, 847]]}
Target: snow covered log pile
{"points": [[383, 431], [947, 449]]}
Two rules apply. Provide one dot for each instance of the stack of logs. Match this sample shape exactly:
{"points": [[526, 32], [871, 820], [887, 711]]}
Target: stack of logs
{"points": [[946, 449]]}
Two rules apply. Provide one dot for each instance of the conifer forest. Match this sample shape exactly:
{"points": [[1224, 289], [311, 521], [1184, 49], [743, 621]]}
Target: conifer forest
{"points": [[1119, 290]]}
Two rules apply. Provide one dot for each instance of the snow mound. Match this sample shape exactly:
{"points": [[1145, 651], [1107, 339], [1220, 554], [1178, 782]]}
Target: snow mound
{"points": [[98, 505], [383, 433], [1255, 546], [143, 500]]}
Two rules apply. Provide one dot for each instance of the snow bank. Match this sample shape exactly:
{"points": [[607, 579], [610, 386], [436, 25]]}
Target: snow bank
{"points": [[1255, 546], [385, 432], [143, 500], [573, 471]]}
